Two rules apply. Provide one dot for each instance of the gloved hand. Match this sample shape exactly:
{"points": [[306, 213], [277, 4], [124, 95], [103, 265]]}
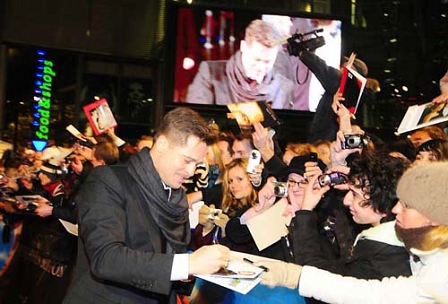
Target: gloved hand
{"points": [[205, 219], [281, 274], [221, 222]]}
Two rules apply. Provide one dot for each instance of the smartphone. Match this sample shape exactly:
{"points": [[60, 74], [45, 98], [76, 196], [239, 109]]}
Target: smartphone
{"points": [[254, 161]]}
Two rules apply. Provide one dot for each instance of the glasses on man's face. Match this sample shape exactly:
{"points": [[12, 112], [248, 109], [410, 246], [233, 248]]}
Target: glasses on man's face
{"points": [[301, 184]]}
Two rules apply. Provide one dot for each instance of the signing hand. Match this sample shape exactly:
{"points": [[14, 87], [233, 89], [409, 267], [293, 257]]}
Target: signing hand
{"points": [[208, 259]]}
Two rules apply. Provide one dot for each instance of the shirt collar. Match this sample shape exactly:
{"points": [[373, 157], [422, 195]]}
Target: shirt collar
{"points": [[166, 187]]}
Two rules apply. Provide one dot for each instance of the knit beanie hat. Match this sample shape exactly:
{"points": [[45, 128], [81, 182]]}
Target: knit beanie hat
{"points": [[424, 188], [297, 165]]}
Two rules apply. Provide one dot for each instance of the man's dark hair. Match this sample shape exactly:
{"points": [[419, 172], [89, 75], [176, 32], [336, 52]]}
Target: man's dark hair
{"points": [[182, 122], [377, 174], [228, 137]]}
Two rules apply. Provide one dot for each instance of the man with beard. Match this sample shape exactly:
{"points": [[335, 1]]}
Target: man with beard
{"points": [[247, 76], [422, 224]]}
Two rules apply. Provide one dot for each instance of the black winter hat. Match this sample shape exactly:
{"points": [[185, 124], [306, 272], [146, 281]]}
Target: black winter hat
{"points": [[297, 165]]}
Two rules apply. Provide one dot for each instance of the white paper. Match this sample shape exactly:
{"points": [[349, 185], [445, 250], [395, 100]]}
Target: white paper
{"points": [[240, 283], [269, 226], [70, 227], [194, 214], [415, 114]]}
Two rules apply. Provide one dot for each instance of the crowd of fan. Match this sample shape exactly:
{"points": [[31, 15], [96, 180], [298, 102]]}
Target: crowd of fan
{"points": [[345, 226]]}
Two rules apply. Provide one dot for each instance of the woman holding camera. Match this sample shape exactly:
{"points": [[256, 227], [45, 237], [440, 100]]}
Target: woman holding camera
{"points": [[223, 226]]}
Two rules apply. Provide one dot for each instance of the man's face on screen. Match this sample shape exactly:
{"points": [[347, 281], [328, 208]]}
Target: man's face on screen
{"points": [[258, 60]]}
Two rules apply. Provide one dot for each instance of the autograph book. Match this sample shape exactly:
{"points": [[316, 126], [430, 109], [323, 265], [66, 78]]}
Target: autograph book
{"points": [[240, 275], [100, 116], [419, 116], [352, 85], [247, 113]]}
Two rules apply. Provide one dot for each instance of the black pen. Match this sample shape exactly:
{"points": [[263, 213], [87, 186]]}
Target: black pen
{"points": [[259, 266]]}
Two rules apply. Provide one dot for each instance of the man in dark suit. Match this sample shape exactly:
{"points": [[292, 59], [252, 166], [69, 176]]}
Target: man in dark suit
{"points": [[133, 221]]}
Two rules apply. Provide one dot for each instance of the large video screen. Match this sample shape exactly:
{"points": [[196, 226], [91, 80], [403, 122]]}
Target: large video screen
{"points": [[220, 57]]}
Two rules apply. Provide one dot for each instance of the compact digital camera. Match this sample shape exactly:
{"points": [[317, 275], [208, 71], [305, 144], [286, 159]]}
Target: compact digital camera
{"points": [[214, 213], [353, 141], [281, 189], [254, 161], [331, 179]]}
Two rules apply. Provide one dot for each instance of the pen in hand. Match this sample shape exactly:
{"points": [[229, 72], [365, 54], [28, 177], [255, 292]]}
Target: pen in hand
{"points": [[259, 266]]}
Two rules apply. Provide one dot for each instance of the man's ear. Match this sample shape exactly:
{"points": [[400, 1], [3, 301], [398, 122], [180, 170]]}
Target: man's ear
{"points": [[161, 143]]}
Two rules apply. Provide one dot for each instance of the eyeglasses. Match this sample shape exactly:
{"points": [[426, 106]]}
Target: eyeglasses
{"points": [[301, 184]]}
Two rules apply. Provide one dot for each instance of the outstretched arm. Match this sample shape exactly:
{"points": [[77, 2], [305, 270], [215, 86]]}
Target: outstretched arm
{"points": [[443, 97]]}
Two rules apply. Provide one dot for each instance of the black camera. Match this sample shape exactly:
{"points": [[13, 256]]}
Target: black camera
{"points": [[281, 189], [331, 179], [298, 42], [354, 141], [313, 157], [65, 166]]}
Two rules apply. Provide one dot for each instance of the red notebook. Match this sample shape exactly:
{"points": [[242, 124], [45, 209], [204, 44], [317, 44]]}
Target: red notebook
{"points": [[352, 85]]}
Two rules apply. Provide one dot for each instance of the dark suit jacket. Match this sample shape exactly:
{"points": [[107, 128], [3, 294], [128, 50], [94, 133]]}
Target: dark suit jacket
{"points": [[120, 251]]}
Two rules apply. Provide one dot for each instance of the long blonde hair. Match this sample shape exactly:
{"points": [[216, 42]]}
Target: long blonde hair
{"points": [[436, 238], [229, 203]]}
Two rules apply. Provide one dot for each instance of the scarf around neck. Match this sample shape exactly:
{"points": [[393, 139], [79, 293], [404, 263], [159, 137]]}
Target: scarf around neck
{"points": [[240, 84], [170, 215]]}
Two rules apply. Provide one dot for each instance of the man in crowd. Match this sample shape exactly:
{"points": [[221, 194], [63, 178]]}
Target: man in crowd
{"points": [[247, 76]]}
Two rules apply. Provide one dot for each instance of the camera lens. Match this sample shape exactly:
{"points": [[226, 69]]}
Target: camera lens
{"points": [[353, 141], [324, 180], [280, 191]]}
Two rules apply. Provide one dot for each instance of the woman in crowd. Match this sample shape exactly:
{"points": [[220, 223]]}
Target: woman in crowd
{"points": [[295, 181], [238, 195], [297, 149], [323, 150]]}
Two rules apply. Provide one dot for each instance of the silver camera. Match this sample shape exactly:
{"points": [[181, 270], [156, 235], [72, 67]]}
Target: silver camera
{"points": [[353, 141], [281, 189], [214, 213], [331, 179]]}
